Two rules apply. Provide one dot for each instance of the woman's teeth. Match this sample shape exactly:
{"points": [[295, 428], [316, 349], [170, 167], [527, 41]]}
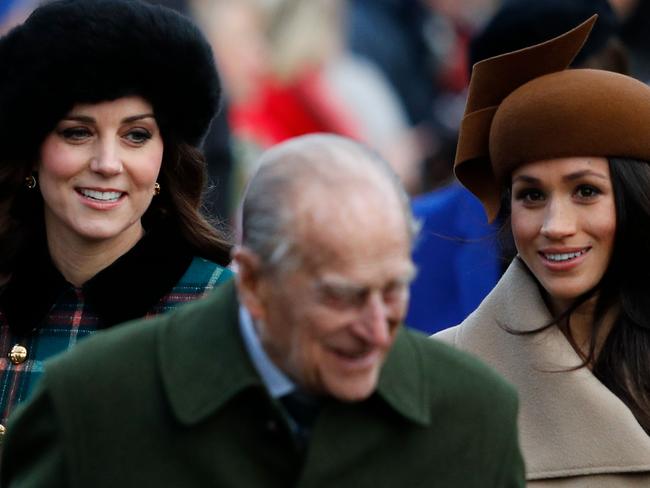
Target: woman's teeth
{"points": [[104, 196], [564, 256]]}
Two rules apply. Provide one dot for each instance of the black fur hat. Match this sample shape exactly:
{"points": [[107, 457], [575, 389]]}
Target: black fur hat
{"points": [[87, 51]]}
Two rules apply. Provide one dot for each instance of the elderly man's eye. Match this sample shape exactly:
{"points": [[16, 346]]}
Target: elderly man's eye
{"points": [[338, 298], [395, 292]]}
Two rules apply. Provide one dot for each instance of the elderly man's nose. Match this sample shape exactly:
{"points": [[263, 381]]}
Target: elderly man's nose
{"points": [[374, 324]]}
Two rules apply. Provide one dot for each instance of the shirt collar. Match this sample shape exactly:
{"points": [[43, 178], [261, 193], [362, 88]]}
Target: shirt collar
{"points": [[276, 382]]}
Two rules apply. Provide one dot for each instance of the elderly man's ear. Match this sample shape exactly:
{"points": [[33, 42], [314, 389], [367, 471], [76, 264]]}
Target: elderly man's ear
{"points": [[249, 277]]}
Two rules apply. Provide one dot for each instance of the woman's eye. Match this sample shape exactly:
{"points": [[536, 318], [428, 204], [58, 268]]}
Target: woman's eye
{"points": [[529, 195], [587, 191], [75, 133], [138, 136]]}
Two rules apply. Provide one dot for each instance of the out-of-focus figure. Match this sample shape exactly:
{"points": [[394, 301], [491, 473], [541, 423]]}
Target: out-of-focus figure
{"points": [[287, 72]]}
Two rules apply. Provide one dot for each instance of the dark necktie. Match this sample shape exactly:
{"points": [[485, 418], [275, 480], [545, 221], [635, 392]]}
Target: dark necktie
{"points": [[303, 410]]}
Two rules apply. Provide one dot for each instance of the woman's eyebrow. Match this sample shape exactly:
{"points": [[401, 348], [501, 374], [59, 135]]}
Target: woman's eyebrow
{"points": [[581, 174], [133, 118], [80, 118], [526, 179], [90, 120], [570, 177]]}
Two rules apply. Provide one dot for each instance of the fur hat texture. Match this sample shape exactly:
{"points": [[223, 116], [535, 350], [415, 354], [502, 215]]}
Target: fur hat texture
{"points": [[526, 106], [88, 51]]}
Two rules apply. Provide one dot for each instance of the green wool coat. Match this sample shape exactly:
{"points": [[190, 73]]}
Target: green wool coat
{"points": [[175, 402]]}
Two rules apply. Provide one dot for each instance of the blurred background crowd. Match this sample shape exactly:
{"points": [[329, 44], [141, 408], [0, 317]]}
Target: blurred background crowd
{"points": [[393, 74]]}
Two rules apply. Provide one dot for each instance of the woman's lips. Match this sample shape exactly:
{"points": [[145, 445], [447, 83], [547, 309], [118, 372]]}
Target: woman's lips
{"points": [[101, 199], [563, 259]]}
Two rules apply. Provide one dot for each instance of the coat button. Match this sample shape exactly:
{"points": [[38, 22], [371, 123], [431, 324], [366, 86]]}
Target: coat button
{"points": [[18, 354]]}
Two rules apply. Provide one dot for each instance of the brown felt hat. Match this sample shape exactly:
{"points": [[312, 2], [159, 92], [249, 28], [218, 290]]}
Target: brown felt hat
{"points": [[527, 106]]}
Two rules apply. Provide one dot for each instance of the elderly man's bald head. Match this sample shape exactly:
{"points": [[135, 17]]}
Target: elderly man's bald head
{"points": [[315, 180]]}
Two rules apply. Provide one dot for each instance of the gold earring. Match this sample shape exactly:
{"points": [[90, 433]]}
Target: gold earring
{"points": [[156, 188], [30, 182]]}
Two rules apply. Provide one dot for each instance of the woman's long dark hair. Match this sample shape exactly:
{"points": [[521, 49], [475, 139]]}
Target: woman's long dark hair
{"points": [[623, 362], [182, 180]]}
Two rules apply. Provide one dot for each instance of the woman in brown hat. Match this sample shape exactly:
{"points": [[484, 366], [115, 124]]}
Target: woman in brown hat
{"points": [[567, 151], [102, 106]]}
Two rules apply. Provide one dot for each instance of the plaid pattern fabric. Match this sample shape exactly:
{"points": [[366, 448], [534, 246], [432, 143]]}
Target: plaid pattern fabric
{"points": [[71, 319]]}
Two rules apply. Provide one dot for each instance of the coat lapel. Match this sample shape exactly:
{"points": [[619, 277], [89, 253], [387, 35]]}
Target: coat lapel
{"points": [[402, 383], [570, 424], [202, 359]]}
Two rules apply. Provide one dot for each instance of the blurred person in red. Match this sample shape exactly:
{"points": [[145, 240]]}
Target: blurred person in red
{"points": [[279, 88]]}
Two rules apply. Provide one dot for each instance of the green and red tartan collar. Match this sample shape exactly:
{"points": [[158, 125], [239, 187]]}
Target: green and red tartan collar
{"points": [[125, 290]]}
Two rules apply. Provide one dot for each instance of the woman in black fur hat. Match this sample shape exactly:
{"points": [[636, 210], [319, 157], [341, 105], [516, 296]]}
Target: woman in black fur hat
{"points": [[102, 106]]}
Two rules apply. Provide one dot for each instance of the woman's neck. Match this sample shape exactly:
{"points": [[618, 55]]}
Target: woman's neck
{"points": [[79, 259], [582, 322]]}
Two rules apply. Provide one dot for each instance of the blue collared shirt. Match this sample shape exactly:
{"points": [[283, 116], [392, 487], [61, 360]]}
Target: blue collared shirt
{"points": [[276, 382]]}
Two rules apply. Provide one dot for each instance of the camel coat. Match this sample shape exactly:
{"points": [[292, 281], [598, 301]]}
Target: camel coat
{"points": [[574, 432]]}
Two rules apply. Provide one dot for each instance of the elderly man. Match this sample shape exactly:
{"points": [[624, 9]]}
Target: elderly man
{"points": [[296, 374]]}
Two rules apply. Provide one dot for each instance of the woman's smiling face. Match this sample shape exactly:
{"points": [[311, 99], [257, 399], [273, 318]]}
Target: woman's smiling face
{"points": [[564, 222], [98, 169]]}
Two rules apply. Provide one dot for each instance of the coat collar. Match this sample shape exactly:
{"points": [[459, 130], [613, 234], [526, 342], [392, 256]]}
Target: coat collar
{"points": [[127, 289], [202, 357], [213, 365], [570, 423], [402, 383]]}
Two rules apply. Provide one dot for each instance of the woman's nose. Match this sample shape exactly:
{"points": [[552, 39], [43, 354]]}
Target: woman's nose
{"points": [[106, 159], [559, 220]]}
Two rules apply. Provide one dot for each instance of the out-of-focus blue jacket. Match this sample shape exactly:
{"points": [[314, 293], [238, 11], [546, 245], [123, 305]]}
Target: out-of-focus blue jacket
{"points": [[457, 257]]}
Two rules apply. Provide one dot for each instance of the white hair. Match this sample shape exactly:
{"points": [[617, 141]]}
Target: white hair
{"points": [[292, 170]]}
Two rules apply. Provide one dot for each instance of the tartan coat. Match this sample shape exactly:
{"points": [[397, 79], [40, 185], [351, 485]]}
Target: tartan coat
{"points": [[575, 433], [43, 313], [176, 402]]}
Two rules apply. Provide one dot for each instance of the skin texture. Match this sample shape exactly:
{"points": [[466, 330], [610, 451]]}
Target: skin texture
{"points": [[113, 145], [330, 322], [559, 206]]}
